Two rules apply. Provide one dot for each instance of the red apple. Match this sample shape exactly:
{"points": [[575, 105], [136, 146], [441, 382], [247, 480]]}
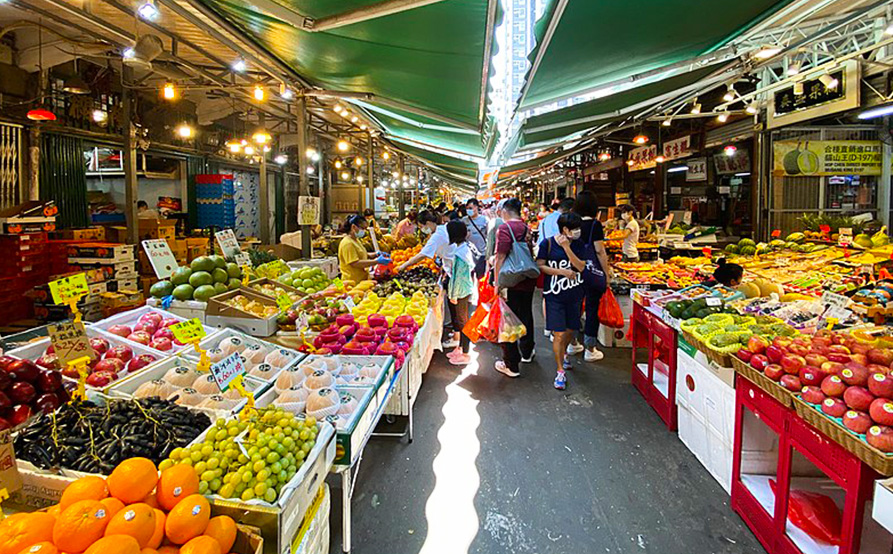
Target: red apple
{"points": [[163, 333], [755, 344], [838, 357], [5, 402], [5, 380], [791, 363], [5, 361], [791, 382], [813, 395], [49, 381], [774, 372], [855, 375], [23, 370], [798, 349], [881, 384], [47, 402], [859, 359], [100, 345], [801, 340], [834, 407], [832, 385], [810, 376], [814, 359], [839, 348], [881, 356], [120, 330], [110, 365], [141, 337], [758, 361], [100, 378], [782, 342], [21, 392], [856, 421], [744, 355], [881, 411], [48, 361], [880, 437], [875, 368], [168, 321], [858, 398], [774, 353], [833, 368], [164, 344], [139, 362], [122, 352], [20, 414]]}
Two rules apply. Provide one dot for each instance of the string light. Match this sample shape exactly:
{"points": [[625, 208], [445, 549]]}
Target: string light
{"points": [[345, 176], [311, 170], [730, 93], [640, 139], [667, 122], [829, 81], [722, 117], [360, 179], [343, 146], [100, 116], [660, 159], [184, 131], [386, 155], [148, 10], [752, 108], [358, 161], [239, 66], [604, 156], [337, 108], [259, 93], [169, 92], [281, 159], [261, 136], [696, 107], [338, 164], [249, 150], [234, 146]]}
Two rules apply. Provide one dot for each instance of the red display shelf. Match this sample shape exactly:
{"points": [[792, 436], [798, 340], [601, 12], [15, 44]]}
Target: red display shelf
{"points": [[656, 380], [800, 458]]}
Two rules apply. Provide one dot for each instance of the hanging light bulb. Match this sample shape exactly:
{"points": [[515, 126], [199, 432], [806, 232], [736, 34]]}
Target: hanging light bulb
{"points": [[345, 176], [148, 10], [285, 93], [730, 150], [794, 68], [185, 131], [239, 66], [630, 162], [640, 139], [281, 159], [343, 146], [311, 170], [358, 161], [243, 142], [362, 127], [667, 122], [696, 107], [660, 159], [100, 116], [354, 119], [386, 155], [261, 136], [310, 153], [234, 146], [169, 92], [730, 93], [249, 150], [767, 52], [338, 164], [395, 174], [722, 117], [752, 108], [604, 156], [338, 108], [259, 93], [360, 179]]}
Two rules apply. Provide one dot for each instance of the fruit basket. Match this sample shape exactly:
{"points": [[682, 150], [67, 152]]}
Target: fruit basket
{"points": [[126, 324], [245, 310], [850, 440], [116, 358], [769, 386], [263, 360]]}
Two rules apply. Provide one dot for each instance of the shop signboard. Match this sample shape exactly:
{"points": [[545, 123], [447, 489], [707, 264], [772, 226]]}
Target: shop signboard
{"points": [[677, 148], [308, 210], [827, 157], [696, 170], [739, 162], [643, 158], [816, 100]]}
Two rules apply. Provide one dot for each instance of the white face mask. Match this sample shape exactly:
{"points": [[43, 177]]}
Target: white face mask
{"points": [[361, 233], [426, 230], [575, 234], [626, 217]]}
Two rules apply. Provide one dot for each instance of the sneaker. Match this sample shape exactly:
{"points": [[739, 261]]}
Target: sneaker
{"points": [[574, 348], [452, 343], [593, 355], [453, 353], [530, 359], [505, 370], [567, 365], [460, 359], [547, 333], [561, 381]]}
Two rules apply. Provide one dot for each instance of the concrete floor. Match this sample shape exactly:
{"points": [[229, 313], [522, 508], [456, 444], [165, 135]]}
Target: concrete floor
{"points": [[514, 466]]}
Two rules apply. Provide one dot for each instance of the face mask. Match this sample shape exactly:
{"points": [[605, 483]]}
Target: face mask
{"points": [[426, 230], [626, 217], [575, 234], [361, 233]]}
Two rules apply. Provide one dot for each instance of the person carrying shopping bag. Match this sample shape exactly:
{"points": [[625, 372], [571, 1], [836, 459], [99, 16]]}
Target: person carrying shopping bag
{"points": [[597, 275], [461, 288]]}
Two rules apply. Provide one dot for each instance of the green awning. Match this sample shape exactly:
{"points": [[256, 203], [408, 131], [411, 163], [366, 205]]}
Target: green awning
{"points": [[560, 125], [430, 58], [423, 131], [447, 167], [593, 43]]}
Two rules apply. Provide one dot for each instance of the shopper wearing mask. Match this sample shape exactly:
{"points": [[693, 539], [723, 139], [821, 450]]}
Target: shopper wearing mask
{"points": [[492, 227], [630, 233], [352, 257], [514, 233], [407, 225], [560, 258], [477, 234], [593, 234], [461, 291], [549, 224], [369, 214]]}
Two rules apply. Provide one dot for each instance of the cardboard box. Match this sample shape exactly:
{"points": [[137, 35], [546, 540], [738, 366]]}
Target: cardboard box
{"points": [[91, 233], [193, 252], [218, 314], [116, 233], [100, 253], [157, 229], [121, 270], [282, 251], [121, 299]]}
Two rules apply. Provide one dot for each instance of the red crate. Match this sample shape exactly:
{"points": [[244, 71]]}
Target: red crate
{"points": [[659, 340]]}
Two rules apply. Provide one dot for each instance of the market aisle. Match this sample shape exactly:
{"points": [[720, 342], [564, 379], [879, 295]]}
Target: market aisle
{"points": [[590, 469]]}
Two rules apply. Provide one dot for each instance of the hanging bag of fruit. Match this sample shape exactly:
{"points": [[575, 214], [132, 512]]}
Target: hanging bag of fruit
{"points": [[510, 327], [489, 328], [476, 322], [486, 292], [609, 313]]}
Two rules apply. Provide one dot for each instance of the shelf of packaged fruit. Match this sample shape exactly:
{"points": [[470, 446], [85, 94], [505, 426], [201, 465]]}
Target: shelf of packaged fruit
{"points": [[656, 273]]}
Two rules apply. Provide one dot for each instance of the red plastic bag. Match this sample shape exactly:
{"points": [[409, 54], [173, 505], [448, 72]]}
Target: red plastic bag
{"points": [[609, 313], [486, 292], [478, 318], [489, 328], [815, 514]]}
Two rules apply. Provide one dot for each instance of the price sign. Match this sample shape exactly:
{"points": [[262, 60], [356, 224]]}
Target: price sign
{"points": [[243, 259], [228, 243], [707, 251], [350, 303], [840, 314], [714, 301], [226, 370], [834, 300], [845, 237], [70, 341], [161, 257], [776, 233], [69, 289], [284, 302], [188, 331]]}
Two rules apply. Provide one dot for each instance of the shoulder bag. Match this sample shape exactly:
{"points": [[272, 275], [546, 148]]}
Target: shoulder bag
{"points": [[593, 274], [518, 265]]}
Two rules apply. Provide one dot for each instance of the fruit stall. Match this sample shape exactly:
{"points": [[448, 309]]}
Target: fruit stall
{"points": [[781, 386]]}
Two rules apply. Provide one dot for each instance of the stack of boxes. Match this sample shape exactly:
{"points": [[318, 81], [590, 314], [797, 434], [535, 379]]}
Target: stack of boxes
{"points": [[24, 266], [216, 205]]}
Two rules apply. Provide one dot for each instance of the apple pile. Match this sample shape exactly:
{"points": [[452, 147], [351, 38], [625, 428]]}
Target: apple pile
{"points": [[26, 389], [843, 377], [151, 329], [348, 337], [110, 362]]}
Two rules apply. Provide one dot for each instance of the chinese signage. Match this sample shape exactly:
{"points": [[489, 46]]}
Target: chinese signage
{"points": [[70, 342], [160, 256], [69, 288], [816, 100], [678, 148], [227, 369], [308, 210], [188, 331], [739, 162], [643, 158], [827, 157], [696, 170], [226, 239]]}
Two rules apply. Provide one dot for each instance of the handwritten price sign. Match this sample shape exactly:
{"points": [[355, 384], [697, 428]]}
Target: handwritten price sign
{"points": [[69, 289], [228, 243], [188, 331], [161, 257], [70, 341], [226, 370]]}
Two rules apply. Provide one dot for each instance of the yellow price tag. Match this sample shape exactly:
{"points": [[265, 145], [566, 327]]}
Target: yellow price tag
{"points": [[832, 321], [188, 331], [245, 277], [68, 290], [204, 362], [284, 302], [80, 365], [339, 284], [240, 388]]}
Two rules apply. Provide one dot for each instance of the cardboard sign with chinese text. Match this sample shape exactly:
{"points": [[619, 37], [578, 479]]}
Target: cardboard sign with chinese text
{"points": [[188, 331], [161, 257], [227, 369], [69, 339], [69, 288]]}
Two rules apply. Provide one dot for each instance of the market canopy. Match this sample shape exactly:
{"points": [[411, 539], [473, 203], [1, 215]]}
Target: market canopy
{"points": [[426, 132], [447, 167], [425, 57], [563, 124], [586, 45]]}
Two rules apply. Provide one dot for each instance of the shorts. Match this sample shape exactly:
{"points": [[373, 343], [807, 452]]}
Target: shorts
{"points": [[563, 315], [630, 258]]}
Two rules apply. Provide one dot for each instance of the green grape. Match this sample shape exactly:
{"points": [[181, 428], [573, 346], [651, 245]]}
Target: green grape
{"points": [[233, 431], [213, 463], [307, 446], [260, 489], [177, 453], [310, 421], [215, 485], [165, 464], [270, 495], [239, 488], [202, 487], [253, 434], [252, 451], [227, 491], [247, 494], [277, 430], [283, 476], [187, 461], [264, 451], [207, 475], [258, 466], [247, 476], [195, 456], [200, 467], [300, 454], [228, 477], [243, 459], [305, 435], [220, 422], [220, 435], [276, 467], [272, 458], [288, 443], [256, 458], [274, 442], [242, 425]]}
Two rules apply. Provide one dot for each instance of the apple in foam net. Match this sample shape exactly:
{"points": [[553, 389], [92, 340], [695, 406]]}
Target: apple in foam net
{"points": [[832, 385], [139, 362], [120, 330], [881, 411], [881, 384], [141, 337], [834, 407], [121, 352], [164, 344], [110, 365], [791, 382], [154, 318], [854, 375], [880, 437], [100, 345], [856, 421], [812, 394], [147, 326], [810, 376]]}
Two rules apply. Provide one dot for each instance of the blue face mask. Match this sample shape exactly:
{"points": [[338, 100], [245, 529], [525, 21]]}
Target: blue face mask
{"points": [[361, 233]]}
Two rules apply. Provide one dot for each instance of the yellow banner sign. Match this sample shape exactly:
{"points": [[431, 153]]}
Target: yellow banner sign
{"points": [[69, 288], [188, 331], [827, 157]]}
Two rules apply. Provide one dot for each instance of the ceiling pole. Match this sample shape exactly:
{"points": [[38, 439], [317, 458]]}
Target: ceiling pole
{"points": [[401, 197], [130, 180], [303, 177], [371, 171], [365, 13], [263, 189]]}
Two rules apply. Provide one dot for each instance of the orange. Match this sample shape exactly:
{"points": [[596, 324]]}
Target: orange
{"points": [[23, 530], [169, 550], [114, 544], [54, 510], [202, 544], [222, 528], [176, 483], [40, 548], [151, 500], [113, 505], [188, 519], [136, 520], [158, 535], [80, 525], [148, 550], [85, 488], [133, 480]]}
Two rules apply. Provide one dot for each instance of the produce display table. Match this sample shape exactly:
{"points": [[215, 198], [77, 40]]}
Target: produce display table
{"points": [[656, 378], [328, 265], [778, 452]]}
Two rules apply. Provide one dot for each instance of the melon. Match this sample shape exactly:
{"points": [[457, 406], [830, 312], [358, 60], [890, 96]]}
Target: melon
{"points": [[749, 289]]}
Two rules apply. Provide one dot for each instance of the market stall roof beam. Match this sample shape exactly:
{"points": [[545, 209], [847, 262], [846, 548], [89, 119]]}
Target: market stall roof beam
{"points": [[358, 15]]}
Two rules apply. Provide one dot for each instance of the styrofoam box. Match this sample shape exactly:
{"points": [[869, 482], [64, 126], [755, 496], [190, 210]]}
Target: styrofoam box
{"points": [[35, 350], [882, 512], [363, 393], [130, 319], [186, 309], [126, 387], [313, 536], [212, 341]]}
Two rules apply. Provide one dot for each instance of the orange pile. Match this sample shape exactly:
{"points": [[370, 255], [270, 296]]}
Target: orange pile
{"points": [[133, 511], [400, 256]]}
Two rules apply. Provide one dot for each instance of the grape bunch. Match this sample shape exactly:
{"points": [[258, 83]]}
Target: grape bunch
{"points": [[249, 458]]}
